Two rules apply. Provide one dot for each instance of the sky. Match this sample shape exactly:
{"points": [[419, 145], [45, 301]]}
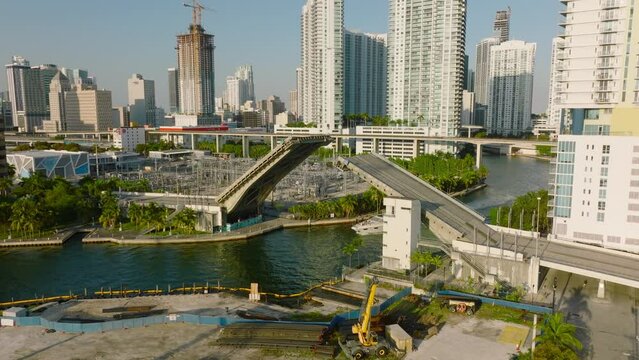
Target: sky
{"points": [[116, 38]]}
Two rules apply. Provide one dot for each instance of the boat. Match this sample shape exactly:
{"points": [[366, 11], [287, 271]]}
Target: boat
{"points": [[371, 226]]}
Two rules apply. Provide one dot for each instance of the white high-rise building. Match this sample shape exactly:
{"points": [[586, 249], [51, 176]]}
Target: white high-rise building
{"points": [[141, 100], [299, 77], [556, 115], [595, 191], [512, 64], [599, 62], [58, 86], [26, 92], [365, 69], [323, 63], [426, 42], [245, 73], [468, 108], [482, 69]]}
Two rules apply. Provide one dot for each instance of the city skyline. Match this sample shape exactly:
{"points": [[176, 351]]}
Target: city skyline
{"points": [[149, 48]]}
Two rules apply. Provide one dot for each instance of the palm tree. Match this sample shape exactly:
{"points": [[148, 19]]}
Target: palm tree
{"points": [[421, 258], [557, 331], [5, 185], [350, 249], [348, 204], [26, 215]]}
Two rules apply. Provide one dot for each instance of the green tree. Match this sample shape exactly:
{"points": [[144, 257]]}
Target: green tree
{"points": [[110, 210], [185, 220], [558, 332], [26, 216], [348, 205], [5, 185], [349, 249], [421, 258]]}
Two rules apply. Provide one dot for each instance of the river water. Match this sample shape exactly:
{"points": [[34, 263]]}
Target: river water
{"points": [[284, 261]]}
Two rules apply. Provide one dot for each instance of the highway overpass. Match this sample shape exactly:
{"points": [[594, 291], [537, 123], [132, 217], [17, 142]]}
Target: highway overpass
{"points": [[467, 231]]}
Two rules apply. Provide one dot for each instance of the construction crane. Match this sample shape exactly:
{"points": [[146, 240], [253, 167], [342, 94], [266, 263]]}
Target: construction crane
{"points": [[197, 11], [367, 340]]}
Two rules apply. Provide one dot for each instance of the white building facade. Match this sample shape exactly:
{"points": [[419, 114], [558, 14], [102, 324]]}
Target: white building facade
{"points": [[127, 138], [141, 100], [510, 89], [426, 42], [26, 93], [595, 191], [468, 108], [323, 63], [555, 113], [599, 60], [404, 147], [402, 229]]}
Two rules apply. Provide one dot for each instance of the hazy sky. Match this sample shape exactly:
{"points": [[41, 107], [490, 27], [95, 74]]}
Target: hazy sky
{"points": [[116, 38]]}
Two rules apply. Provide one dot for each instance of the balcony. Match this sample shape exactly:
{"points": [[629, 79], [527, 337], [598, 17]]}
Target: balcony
{"points": [[603, 100], [605, 64], [604, 76], [612, 4]]}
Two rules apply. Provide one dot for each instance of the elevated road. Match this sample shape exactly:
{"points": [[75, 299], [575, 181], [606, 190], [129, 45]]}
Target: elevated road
{"points": [[615, 266]]}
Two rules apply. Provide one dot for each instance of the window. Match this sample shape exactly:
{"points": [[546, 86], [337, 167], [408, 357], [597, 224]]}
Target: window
{"points": [[600, 217], [606, 149], [604, 171], [602, 193], [603, 182], [605, 160], [601, 205]]}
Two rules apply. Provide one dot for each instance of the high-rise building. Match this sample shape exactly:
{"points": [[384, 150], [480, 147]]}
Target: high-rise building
{"points": [[245, 73], [58, 87], [365, 68], [426, 62], [512, 64], [556, 115], [26, 92], [78, 77], [595, 191], [468, 108], [299, 77], [599, 65], [47, 72], [482, 78], [501, 26], [294, 103], [120, 117], [272, 106], [141, 100], [88, 109], [323, 63], [5, 107], [174, 91], [196, 70]]}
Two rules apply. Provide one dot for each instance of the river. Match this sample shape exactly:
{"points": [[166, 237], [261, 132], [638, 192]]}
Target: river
{"points": [[284, 261]]}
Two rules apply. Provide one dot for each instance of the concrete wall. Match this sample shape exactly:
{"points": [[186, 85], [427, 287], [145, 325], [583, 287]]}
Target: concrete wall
{"points": [[402, 230]]}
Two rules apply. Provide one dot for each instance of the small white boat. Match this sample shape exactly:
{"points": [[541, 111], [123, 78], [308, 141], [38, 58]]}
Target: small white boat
{"points": [[371, 226]]}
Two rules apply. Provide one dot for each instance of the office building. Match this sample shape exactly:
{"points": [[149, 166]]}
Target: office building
{"points": [[468, 108], [47, 72], [78, 77], [426, 62], [141, 100], [127, 138], [365, 69], [196, 71], [272, 106], [245, 73], [284, 118], [58, 87], [174, 91], [253, 118], [323, 63], [595, 191], [120, 117], [599, 66], [403, 148], [294, 103], [556, 115], [88, 110], [299, 86], [512, 64], [501, 25], [5, 108], [26, 93]]}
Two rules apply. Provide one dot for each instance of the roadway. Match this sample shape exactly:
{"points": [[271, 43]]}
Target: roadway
{"points": [[584, 259]]}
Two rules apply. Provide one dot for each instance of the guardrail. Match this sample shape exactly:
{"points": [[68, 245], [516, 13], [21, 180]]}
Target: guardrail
{"points": [[500, 302]]}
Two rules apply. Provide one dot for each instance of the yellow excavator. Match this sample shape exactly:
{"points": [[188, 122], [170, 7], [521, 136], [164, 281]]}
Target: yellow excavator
{"points": [[367, 342]]}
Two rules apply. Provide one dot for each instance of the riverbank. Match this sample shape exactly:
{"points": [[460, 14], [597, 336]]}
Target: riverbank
{"points": [[468, 191], [58, 240], [537, 157], [98, 236]]}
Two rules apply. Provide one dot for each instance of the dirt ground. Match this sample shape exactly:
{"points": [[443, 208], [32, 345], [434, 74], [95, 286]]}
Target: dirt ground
{"points": [[158, 342]]}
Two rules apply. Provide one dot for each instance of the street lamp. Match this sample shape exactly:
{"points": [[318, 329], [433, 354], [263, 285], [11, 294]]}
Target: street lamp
{"points": [[538, 211], [554, 290]]}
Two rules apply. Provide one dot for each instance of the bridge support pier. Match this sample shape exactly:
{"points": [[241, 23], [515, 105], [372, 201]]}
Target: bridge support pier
{"points": [[245, 147], [273, 142], [478, 156], [192, 141], [601, 290], [376, 145], [533, 275], [456, 265]]}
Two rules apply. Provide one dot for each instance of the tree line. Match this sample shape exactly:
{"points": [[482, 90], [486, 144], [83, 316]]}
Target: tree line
{"points": [[346, 206], [522, 214], [157, 217], [38, 203], [445, 171]]}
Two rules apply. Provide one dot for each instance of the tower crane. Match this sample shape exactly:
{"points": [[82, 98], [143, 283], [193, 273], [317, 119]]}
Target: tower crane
{"points": [[197, 11]]}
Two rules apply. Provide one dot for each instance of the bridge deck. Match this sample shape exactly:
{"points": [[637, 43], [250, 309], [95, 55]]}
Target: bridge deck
{"points": [[613, 266]]}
